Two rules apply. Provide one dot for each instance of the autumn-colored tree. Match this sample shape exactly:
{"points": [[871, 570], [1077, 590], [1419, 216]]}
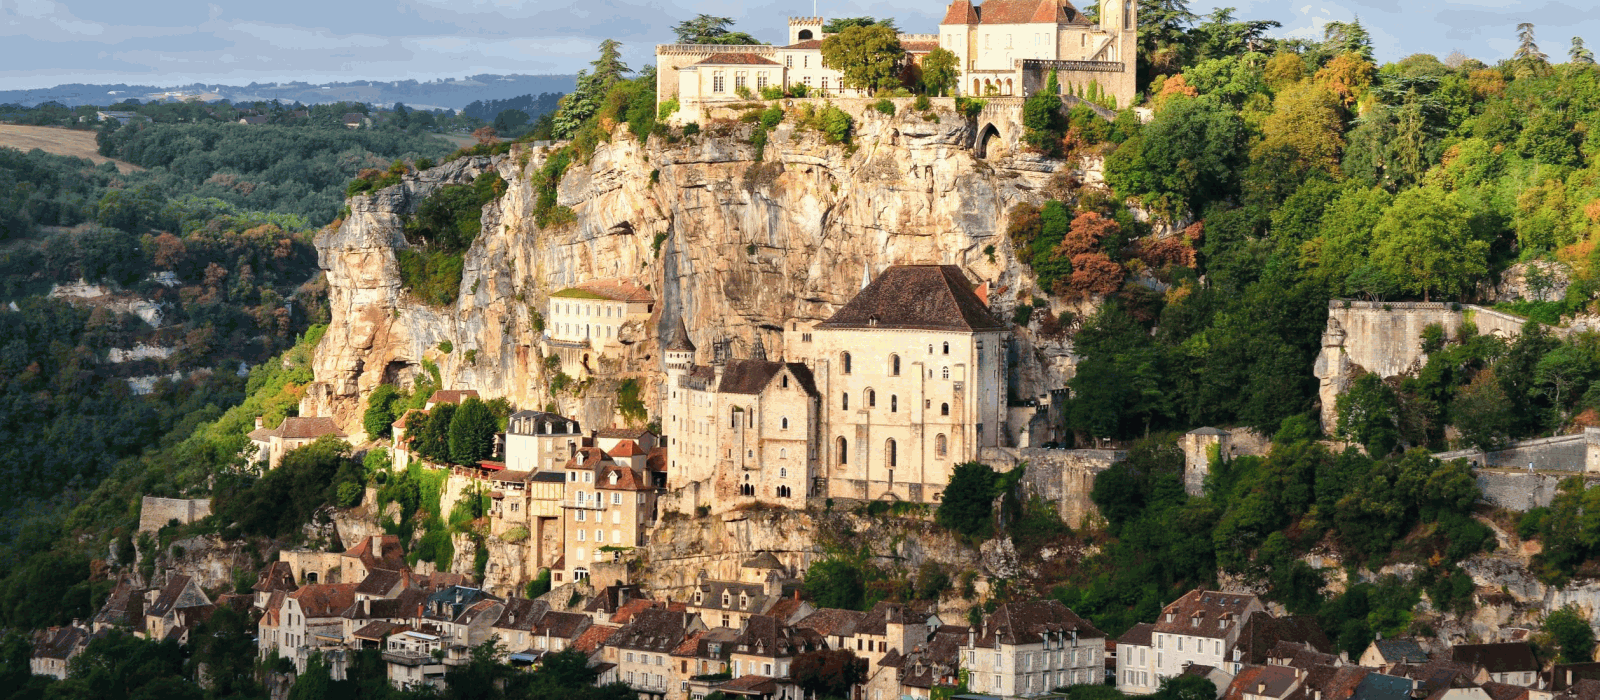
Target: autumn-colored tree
{"points": [[1093, 274], [1173, 250], [1088, 229], [1348, 75], [1175, 85], [486, 135], [1486, 83], [169, 251], [1306, 119], [1283, 69]]}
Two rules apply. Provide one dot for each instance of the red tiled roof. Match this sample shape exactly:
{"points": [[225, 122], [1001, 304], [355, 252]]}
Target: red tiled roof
{"points": [[452, 395], [617, 288], [1025, 12], [325, 599], [736, 59], [630, 608], [807, 44], [594, 637], [627, 448], [297, 428], [960, 12], [918, 46]]}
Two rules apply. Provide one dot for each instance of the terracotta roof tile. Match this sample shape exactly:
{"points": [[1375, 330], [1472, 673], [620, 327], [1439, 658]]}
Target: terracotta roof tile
{"points": [[960, 12], [594, 637], [297, 428], [1202, 613], [325, 599], [807, 44], [615, 288], [452, 395]]}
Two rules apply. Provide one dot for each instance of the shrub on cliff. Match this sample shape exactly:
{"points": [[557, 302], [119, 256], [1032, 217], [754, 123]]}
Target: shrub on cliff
{"points": [[967, 506]]}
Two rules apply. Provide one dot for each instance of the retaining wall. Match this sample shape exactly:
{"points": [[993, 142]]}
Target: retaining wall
{"points": [[1064, 477], [155, 512]]}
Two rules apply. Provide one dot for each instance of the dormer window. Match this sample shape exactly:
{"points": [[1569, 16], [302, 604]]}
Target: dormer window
{"points": [[613, 478], [726, 599]]}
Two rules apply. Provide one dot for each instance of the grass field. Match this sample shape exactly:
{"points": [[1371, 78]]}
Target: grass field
{"points": [[50, 139], [460, 140]]}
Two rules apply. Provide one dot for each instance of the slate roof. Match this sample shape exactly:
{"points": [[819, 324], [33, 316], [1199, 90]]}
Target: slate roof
{"points": [[1508, 657], [562, 625], [477, 612], [754, 596], [934, 662], [917, 297], [766, 636], [1377, 686], [452, 395], [1586, 689], [297, 428], [1262, 632], [169, 595], [750, 377], [1202, 613], [376, 631], [652, 630], [1395, 651], [1029, 622], [764, 560], [736, 59], [1138, 635], [1497, 691], [325, 599], [533, 422], [749, 685], [58, 642], [379, 582], [680, 336], [635, 434], [124, 607], [521, 614]]}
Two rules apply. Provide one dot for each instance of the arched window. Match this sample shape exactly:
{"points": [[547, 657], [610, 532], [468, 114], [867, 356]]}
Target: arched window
{"points": [[844, 361], [1127, 15], [784, 424], [944, 409], [944, 373], [894, 404], [733, 416], [940, 445], [783, 472], [947, 347], [784, 382], [889, 453], [784, 492], [783, 453], [843, 447], [844, 401], [894, 365], [872, 399]]}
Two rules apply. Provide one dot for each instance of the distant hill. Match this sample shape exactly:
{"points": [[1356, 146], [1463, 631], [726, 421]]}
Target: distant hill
{"points": [[439, 94]]}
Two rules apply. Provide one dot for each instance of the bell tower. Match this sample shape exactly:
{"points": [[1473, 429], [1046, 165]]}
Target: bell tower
{"points": [[804, 29]]}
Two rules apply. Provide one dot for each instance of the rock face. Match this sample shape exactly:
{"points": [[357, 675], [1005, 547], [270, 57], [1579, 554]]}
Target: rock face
{"points": [[735, 247]]}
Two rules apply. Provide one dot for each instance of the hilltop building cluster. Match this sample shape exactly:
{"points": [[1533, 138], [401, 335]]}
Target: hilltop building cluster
{"points": [[1004, 48]]}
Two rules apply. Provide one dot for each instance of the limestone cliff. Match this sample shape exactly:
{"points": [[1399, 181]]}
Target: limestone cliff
{"points": [[734, 247]]}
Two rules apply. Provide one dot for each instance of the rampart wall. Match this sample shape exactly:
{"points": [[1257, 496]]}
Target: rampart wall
{"points": [[155, 512], [1064, 477]]}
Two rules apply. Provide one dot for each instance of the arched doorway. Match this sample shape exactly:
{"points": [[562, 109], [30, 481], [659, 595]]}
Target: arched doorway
{"points": [[989, 132]]}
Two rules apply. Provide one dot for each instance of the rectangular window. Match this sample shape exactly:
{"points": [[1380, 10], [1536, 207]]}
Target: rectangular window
{"points": [[761, 80], [788, 61], [739, 78], [716, 81]]}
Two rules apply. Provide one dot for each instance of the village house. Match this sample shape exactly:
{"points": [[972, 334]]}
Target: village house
{"points": [[162, 606], [411, 661], [309, 619], [593, 319], [1512, 663], [270, 444], [537, 441], [612, 502], [1199, 628], [642, 647], [54, 648], [934, 663], [1027, 649], [1385, 653]]}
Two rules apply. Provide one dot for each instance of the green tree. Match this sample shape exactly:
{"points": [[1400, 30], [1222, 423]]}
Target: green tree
{"points": [[1042, 119], [870, 57], [1483, 413], [839, 24], [1368, 414], [1571, 631], [1426, 241], [967, 506], [941, 71], [709, 29], [1527, 48], [472, 430], [432, 441], [828, 673], [835, 583], [1579, 54], [1188, 156], [593, 86], [379, 417], [1186, 687]]}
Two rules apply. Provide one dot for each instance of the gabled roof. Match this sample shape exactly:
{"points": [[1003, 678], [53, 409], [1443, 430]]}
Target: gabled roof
{"points": [[917, 297], [634, 434], [1137, 635], [124, 607], [832, 622], [735, 59], [1026, 12], [594, 637], [171, 594], [452, 395], [325, 599], [1202, 613], [297, 428], [652, 630], [1265, 681], [626, 448], [615, 288], [278, 576], [561, 625], [378, 552], [1394, 651], [1563, 676], [1029, 622], [380, 581], [1262, 633], [1508, 657], [752, 376], [1377, 686], [58, 642], [960, 12], [376, 631]]}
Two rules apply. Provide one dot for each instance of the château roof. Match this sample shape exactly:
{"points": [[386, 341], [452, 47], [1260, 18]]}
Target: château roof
{"points": [[960, 12], [917, 297], [736, 59], [1013, 12], [752, 376], [613, 289]]}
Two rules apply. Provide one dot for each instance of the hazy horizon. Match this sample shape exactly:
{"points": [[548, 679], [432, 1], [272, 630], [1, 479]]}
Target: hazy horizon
{"points": [[49, 43]]}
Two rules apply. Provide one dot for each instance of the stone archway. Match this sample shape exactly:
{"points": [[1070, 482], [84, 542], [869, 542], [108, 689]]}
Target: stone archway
{"points": [[988, 133]]}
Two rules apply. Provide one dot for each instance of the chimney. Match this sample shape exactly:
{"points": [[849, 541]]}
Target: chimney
{"points": [[259, 423], [366, 607], [972, 637]]}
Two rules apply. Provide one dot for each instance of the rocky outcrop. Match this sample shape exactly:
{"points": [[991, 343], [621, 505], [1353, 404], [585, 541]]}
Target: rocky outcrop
{"points": [[736, 247]]}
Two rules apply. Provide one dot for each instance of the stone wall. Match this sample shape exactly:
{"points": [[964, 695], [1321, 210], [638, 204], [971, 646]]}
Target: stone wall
{"points": [[1522, 490], [1385, 338], [1064, 477], [1562, 453], [156, 512]]}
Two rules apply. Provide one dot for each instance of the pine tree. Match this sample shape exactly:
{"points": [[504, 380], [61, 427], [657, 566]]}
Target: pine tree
{"points": [[582, 103], [1579, 54], [1527, 50]]}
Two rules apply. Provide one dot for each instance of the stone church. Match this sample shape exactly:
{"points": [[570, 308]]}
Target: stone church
{"points": [[881, 400]]}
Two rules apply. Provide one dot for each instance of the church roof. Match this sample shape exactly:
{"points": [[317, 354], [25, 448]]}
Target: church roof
{"points": [[680, 338], [751, 376], [918, 297]]}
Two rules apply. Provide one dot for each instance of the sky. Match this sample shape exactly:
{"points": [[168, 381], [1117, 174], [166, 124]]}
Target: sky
{"points": [[178, 42]]}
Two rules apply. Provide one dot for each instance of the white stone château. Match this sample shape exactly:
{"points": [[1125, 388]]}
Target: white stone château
{"points": [[593, 319]]}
